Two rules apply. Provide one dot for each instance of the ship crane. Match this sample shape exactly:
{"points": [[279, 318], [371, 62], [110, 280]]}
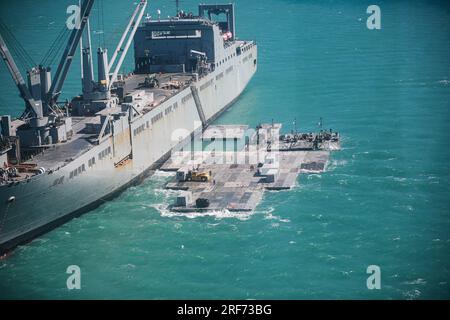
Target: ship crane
{"points": [[132, 25], [100, 90], [30, 103], [41, 93], [201, 65], [66, 60], [39, 78]]}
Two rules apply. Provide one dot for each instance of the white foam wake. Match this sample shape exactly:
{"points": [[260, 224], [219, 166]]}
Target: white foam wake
{"points": [[163, 174], [217, 214], [268, 215]]}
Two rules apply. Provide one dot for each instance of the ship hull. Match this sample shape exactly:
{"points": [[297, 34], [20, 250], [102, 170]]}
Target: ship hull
{"points": [[40, 205]]}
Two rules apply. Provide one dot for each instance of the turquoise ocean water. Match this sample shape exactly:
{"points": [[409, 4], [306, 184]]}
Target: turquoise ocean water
{"points": [[384, 200]]}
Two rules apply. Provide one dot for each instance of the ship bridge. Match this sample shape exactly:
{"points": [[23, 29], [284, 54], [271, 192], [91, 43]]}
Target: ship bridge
{"points": [[186, 42]]}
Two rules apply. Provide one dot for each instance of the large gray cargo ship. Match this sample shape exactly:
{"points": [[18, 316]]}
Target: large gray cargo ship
{"points": [[61, 159]]}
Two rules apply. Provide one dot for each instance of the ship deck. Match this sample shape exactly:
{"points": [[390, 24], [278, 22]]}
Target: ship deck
{"points": [[169, 84], [56, 156]]}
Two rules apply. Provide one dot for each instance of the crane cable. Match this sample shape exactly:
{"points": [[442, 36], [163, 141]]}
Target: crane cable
{"points": [[16, 43], [53, 50], [59, 47], [23, 58]]}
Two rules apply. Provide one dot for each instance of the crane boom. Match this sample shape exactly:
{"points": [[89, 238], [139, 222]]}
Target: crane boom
{"points": [[66, 59], [18, 79], [122, 39], [141, 6]]}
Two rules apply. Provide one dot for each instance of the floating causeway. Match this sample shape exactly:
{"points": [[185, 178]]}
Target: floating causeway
{"points": [[239, 178]]}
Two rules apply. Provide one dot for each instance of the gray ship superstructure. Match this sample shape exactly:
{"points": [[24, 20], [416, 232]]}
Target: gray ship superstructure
{"points": [[62, 159]]}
